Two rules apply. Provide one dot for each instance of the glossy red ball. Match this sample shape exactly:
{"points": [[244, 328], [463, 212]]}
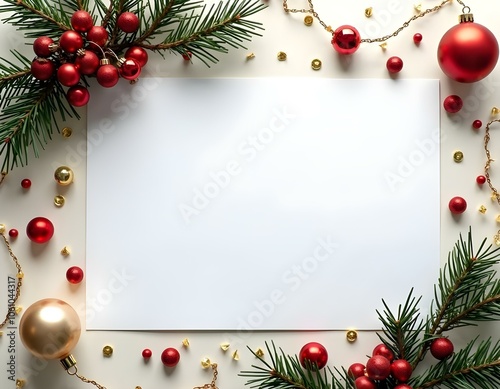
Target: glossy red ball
{"points": [[453, 104], [98, 35], [403, 386], [417, 38], [71, 41], [74, 275], [13, 233], [147, 353], [401, 370], [68, 74], [170, 357], [137, 53], [81, 21], [87, 63], [383, 350], [314, 353], [42, 46], [107, 76], [40, 230], [130, 69], [42, 69], [378, 367], [480, 180], [356, 370], [477, 124], [457, 205], [346, 40], [364, 383], [78, 96], [26, 183], [128, 22], [394, 65], [468, 52], [441, 348]]}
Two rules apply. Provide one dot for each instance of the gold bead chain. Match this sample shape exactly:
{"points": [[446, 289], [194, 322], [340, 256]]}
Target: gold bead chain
{"points": [[487, 167]]}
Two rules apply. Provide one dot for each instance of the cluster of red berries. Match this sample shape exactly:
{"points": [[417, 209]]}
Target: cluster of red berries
{"points": [[383, 365], [81, 52]]}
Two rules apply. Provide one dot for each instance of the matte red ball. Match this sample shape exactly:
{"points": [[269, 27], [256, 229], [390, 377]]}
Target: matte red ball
{"points": [[170, 357], [139, 54], [98, 35], [346, 40], [71, 41], [130, 69], [383, 350], [42, 69], [480, 180], [356, 370], [128, 22], [457, 205], [26, 183], [417, 38], [13, 233], [394, 65], [364, 383], [441, 348], [81, 21], [74, 275], [315, 353], [40, 230], [477, 124], [42, 46], [378, 367], [87, 63], [147, 353], [78, 96], [107, 76], [401, 370], [68, 74], [468, 52], [453, 104]]}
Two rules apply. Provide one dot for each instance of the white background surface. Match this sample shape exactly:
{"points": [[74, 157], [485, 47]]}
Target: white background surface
{"points": [[45, 268]]}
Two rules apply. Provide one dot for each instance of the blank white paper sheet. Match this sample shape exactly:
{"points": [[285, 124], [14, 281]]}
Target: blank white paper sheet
{"points": [[260, 204]]}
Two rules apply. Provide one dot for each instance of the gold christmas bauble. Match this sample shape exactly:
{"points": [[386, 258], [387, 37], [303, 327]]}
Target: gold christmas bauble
{"points": [[50, 329], [63, 175]]}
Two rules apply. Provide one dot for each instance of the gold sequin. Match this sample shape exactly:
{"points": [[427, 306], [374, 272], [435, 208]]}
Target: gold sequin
{"points": [[107, 351], [351, 336], [236, 356], [458, 156], [250, 56], [482, 209], [2, 228], [498, 219], [308, 20], [65, 251], [417, 8], [206, 363], [281, 56], [185, 342], [18, 310], [224, 346], [66, 132], [383, 46], [369, 12], [20, 383], [495, 111], [59, 201], [316, 64], [259, 352]]}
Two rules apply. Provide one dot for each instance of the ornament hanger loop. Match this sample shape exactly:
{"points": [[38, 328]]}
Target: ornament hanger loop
{"points": [[466, 10], [72, 372]]}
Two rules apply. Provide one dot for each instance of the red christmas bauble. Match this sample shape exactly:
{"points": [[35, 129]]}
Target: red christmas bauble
{"points": [[356, 370], [378, 367], [346, 39], [68, 74], [81, 21], [394, 65], [401, 370], [128, 22], [88, 62], [13, 233], [403, 386], [42, 69], [480, 180], [453, 103], [441, 348], [468, 52], [74, 275], [42, 46], [130, 69], [364, 383], [139, 54], [147, 353], [457, 205], [170, 357], [40, 230], [78, 96], [187, 56], [107, 76], [98, 35], [26, 183], [383, 350], [315, 353], [71, 41]]}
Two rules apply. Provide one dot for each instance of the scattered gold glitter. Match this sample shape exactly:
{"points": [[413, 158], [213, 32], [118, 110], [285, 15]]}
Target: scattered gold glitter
{"points": [[18, 310], [236, 356], [495, 111], [59, 201], [20, 383], [2, 228], [458, 156], [482, 209], [65, 251], [259, 352], [417, 8], [383, 46], [224, 346], [316, 64], [281, 56], [369, 12], [308, 20], [251, 56], [185, 342], [205, 363], [351, 336], [20, 275], [107, 351], [66, 132]]}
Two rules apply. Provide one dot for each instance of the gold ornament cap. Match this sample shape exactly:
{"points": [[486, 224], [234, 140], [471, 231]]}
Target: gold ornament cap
{"points": [[68, 362], [466, 18]]}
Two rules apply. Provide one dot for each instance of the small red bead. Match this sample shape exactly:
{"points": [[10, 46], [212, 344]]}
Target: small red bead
{"points": [[187, 56], [147, 353], [13, 233], [74, 275], [26, 183], [453, 104], [170, 357], [477, 124], [480, 180], [394, 65], [457, 205], [417, 38]]}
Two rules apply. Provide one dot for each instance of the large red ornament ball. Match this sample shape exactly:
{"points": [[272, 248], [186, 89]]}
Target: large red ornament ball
{"points": [[378, 367], [81, 21], [401, 370], [78, 96], [346, 39], [42, 69], [98, 35], [170, 357], [457, 205], [130, 69], [128, 22], [40, 230], [137, 53], [74, 275], [42, 46], [394, 65], [107, 76], [364, 383], [68, 74], [383, 350], [441, 348], [71, 41], [468, 52], [87, 63], [314, 353], [356, 370], [453, 103]]}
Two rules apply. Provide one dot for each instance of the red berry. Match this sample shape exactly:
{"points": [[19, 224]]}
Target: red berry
{"points": [[378, 367], [480, 180], [81, 21], [314, 353], [356, 370], [137, 53], [42, 46], [364, 383], [74, 275], [13, 233], [128, 22], [394, 65], [417, 38], [441, 348], [78, 96], [147, 353], [71, 41], [477, 124], [383, 350], [170, 357], [87, 63], [453, 104], [401, 370], [403, 386], [26, 183], [107, 76], [130, 69], [98, 35], [42, 69], [68, 74], [457, 205]]}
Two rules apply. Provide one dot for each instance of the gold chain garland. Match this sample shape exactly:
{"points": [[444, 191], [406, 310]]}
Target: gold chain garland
{"points": [[495, 195]]}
